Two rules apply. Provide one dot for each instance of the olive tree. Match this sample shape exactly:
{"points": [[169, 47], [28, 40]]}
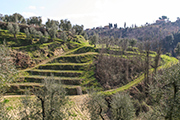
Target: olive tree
{"points": [[165, 93], [7, 75], [63, 36], [122, 107], [13, 28], [44, 38], [50, 102], [96, 105], [7, 68], [27, 32], [53, 30], [33, 31]]}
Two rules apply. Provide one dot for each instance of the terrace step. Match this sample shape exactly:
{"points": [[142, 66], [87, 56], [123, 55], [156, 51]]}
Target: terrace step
{"points": [[39, 79], [58, 73], [63, 66], [75, 58], [19, 88]]}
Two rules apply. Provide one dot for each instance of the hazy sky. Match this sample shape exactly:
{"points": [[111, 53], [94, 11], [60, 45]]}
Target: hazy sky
{"points": [[94, 13]]}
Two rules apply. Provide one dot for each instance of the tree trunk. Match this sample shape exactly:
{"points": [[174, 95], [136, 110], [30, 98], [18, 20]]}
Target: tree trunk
{"points": [[15, 36], [172, 105], [43, 109]]}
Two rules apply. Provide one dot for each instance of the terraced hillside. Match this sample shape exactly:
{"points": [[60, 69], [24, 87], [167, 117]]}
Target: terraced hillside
{"points": [[67, 68]]}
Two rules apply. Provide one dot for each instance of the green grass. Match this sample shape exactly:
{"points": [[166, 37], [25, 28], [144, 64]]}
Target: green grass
{"points": [[75, 58], [55, 78], [58, 71], [72, 64]]}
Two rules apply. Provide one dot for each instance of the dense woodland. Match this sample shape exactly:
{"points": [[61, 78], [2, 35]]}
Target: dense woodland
{"points": [[128, 73]]}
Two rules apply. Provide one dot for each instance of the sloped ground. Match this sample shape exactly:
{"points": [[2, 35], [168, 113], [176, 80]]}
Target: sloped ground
{"points": [[66, 68], [71, 78], [69, 68]]}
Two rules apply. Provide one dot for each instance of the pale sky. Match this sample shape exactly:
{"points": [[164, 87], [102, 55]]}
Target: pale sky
{"points": [[95, 13]]}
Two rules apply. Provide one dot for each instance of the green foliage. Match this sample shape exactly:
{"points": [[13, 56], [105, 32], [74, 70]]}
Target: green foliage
{"points": [[78, 29], [53, 30], [7, 75], [7, 68], [16, 17], [13, 28], [96, 105], [34, 20], [33, 31], [50, 23], [44, 38], [65, 25], [27, 32], [84, 49], [63, 36], [94, 39], [122, 107], [6, 101], [50, 102], [166, 95]]}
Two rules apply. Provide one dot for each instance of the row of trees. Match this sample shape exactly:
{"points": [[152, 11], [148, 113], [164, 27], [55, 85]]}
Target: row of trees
{"points": [[51, 30], [95, 39], [64, 25]]}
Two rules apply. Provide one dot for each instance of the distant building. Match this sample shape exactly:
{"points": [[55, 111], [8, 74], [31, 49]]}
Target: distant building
{"points": [[97, 28], [106, 27], [160, 21], [88, 29]]}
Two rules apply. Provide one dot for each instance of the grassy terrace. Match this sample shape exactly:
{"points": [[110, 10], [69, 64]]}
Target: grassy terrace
{"points": [[64, 66], [20, 88], [67, 72], [60, 73], [57, 71], [68, 66], [75, 58]]}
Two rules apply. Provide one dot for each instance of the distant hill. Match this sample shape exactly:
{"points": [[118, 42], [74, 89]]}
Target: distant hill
{"points": [[165, 33]]}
